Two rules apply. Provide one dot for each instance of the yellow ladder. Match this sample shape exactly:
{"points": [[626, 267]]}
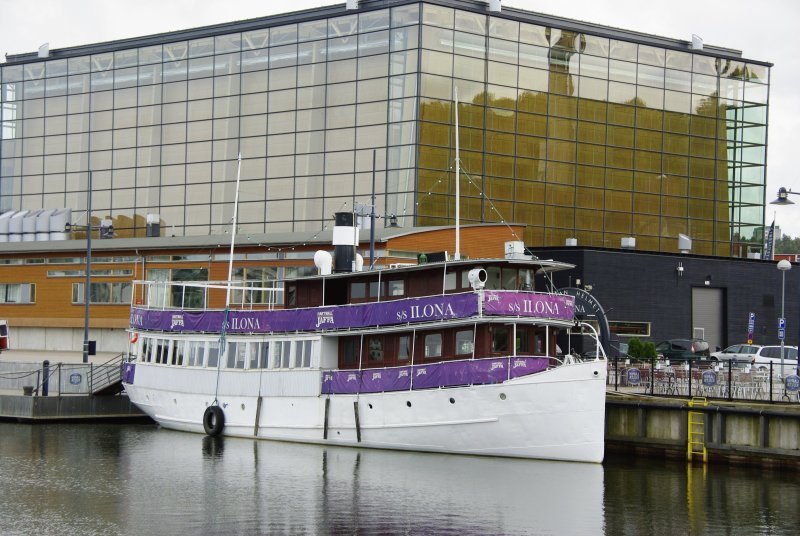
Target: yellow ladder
{"points": [[696, 436]]}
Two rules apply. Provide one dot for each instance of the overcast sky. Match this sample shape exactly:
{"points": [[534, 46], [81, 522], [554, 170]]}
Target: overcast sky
{"points": [[763, 31]]}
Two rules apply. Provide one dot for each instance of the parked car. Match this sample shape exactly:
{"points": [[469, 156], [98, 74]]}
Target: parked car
{"points": [[742, 353], [772, 354], [683, 350]]}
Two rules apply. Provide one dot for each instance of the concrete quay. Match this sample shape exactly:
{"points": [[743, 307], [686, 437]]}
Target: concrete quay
{"points": [[71, 395], [735, 432]]}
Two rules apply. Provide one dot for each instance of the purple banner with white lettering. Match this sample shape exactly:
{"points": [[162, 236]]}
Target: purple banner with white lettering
{"points": [[553, 306], [431, 376], [128, 372], [392, 312]]}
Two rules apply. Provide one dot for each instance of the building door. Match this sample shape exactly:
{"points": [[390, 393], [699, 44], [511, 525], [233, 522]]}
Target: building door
{"points": [[707, 311]]}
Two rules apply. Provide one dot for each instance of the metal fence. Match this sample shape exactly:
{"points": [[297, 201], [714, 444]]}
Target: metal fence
{"points": [[57, 379], [726, 381]]}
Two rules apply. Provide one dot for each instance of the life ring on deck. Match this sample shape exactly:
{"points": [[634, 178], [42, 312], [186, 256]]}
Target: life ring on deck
{"points": [[213, 421], [134, 337]]}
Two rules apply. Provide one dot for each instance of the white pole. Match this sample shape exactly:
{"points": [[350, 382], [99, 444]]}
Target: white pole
{"points": [[233, 231], [457, 254]]}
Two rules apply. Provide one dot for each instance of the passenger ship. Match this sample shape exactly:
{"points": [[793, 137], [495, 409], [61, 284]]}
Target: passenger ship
{"points": [[454, 357]]}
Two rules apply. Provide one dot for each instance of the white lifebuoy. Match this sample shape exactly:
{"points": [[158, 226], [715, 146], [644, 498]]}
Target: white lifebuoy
{"points": [[134, 337], [213, 421]]}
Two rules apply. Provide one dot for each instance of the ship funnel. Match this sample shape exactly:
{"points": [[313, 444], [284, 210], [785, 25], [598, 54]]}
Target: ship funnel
{"points": [[345, 238], [323, 261]]}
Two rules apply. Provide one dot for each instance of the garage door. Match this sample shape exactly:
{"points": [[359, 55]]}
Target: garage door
{"points": [[707, 310]]}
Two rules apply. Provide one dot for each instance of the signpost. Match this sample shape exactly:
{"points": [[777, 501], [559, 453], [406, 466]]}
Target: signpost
{"points": [[751, 326]]}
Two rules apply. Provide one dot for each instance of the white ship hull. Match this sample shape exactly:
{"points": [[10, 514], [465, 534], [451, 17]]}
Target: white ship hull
{"points": [[556, 414]]}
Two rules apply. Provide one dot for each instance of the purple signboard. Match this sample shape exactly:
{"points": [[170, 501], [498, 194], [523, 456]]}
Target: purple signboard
{"points": [[406, 311], [553, 306], [431, 376], [319, 318]]}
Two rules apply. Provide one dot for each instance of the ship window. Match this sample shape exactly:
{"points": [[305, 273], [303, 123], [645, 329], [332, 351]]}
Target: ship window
{"points": [[349, 351], [464, 342], [358, 291], [404, 347], [525, 279], [374, 287], [522, 341], [500, 339], [286, 354], [177, 352], [433, 345], [291, 295], [510, 278], [212, 351], [263, 355], [231, 355], [375, 349], [307, 348], [492, 278], [450, 281], [396, 288], [147, 346]]}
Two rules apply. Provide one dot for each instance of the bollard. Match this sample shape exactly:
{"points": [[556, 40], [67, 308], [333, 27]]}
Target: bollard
{"points": [[46, 377]]}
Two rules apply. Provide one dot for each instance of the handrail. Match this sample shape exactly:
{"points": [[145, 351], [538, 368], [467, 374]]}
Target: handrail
{"points": [[105, 374]]}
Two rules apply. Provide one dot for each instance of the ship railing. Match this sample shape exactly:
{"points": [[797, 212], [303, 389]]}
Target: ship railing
{"points": [[198, 295]]}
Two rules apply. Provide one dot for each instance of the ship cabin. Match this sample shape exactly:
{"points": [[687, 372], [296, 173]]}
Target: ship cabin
{"points": [[476, 336]]}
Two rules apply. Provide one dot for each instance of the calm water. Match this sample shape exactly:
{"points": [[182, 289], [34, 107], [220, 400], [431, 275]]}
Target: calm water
{"points": [[139, 479]]}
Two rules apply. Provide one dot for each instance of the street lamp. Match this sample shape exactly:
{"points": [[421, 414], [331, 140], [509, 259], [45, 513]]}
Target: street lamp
{"points": [[783, 266], [783, 197]]}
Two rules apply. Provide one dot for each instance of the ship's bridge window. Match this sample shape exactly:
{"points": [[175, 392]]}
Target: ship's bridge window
{"points": [[433, 345], [396, 288], [493, 281], [450, 281], [358, 291]]}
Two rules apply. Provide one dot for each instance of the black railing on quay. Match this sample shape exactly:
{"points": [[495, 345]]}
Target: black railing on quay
{"points": [[730, 380]]}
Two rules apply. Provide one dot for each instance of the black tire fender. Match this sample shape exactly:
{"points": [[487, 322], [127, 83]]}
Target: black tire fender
{"points": [[213, 421]]}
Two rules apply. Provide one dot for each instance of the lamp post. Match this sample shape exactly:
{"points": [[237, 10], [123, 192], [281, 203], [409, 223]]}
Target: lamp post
{"points": [[783, 197], [783, 266], [86, 293]]}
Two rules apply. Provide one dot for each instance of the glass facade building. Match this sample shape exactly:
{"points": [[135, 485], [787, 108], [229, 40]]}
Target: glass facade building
{"points": [[574, 130]]}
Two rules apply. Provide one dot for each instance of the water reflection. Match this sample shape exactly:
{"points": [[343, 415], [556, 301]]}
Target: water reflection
{"points": [[98, 479]]}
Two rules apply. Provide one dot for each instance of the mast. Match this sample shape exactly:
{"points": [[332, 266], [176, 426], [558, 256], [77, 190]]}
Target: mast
{"points": [[457, 254], [233, 231]]}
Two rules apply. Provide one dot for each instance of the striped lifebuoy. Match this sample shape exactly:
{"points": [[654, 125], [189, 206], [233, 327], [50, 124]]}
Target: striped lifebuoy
{"points": [[134, 337]]}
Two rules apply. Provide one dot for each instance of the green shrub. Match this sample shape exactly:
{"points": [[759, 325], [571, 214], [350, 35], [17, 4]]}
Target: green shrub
{"points": [[635, 348]]}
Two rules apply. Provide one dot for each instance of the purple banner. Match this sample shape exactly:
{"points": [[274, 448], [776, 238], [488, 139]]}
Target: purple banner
{"points": [[553, 306], [128, 372], [392, 312], [431, 376]]}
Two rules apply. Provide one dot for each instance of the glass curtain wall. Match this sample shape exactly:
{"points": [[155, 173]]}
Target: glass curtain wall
{"points": [[572, 134], [307, 105], [582, 136]]}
